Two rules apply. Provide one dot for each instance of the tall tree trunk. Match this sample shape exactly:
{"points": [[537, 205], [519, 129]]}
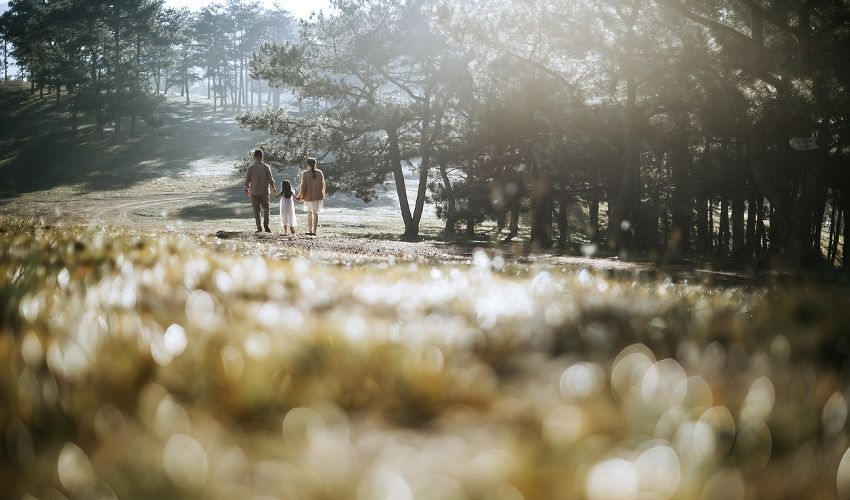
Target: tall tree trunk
{"points": [[5, 61], [116, 67], [470, 179], [845, 251], [839, 229], [682, 199], [817, 226], [761, 229], [186, 76], [470, 162], [711, 232], [625, 204], [563, 217], [215, 90], [138, 60], [94, 75], [451, 203], [777, 238], [513, 197], [833, 233], [649, 223], [425, 141], [703, 233], [541, 208], [240, 100], [513, 225], [594, 211], [738, 202], [723, 236], [752, 218]]}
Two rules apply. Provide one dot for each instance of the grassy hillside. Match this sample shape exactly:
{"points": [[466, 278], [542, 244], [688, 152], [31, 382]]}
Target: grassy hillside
{"points": [[195, 151], [40, 151]]}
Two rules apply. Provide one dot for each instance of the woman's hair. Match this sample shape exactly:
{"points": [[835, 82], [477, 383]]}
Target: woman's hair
{"points": [[312, 163], [287, 189]]}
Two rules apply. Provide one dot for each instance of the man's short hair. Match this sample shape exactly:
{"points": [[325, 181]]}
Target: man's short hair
{"points": [[258, 154]]}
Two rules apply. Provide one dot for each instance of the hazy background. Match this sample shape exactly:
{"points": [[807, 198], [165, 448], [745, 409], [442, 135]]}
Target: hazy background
{"points": [[301, 9]]}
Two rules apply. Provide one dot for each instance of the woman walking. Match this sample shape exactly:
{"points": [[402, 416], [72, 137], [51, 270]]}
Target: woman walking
{"points": [[312, 192]]}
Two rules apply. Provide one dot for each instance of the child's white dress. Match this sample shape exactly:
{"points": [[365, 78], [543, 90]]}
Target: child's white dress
{"points": [[287, 211]]}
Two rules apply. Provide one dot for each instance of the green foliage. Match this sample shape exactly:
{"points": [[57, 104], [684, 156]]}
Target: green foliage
{"points": [[376, 86], [623, 105]]}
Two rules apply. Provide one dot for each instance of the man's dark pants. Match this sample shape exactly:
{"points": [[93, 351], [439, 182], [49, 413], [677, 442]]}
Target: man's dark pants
{"points": [[258, 201]]}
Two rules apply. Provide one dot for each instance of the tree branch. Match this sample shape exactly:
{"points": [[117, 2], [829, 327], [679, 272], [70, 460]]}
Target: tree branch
{"points": [[708, 23], [772, 19]]}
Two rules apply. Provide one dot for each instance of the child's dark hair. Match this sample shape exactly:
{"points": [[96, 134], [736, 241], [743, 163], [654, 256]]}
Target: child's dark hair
{"points": [[312, 163], [286, 187]]}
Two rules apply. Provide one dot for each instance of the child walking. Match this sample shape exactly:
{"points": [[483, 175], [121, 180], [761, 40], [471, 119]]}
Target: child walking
{"points": [[287, 207]]}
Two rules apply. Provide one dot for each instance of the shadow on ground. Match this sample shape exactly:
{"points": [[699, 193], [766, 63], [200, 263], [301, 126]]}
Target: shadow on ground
{"points": [[41, 151]]}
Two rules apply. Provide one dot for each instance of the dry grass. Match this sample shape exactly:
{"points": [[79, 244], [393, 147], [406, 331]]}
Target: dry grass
{"points": [[168, 366]]}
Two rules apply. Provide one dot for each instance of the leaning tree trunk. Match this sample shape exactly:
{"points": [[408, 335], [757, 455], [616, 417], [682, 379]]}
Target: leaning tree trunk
{"points": [[411, 230]]}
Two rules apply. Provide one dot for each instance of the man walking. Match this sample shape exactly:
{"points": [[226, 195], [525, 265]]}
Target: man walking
{"points": [[257, 183]]}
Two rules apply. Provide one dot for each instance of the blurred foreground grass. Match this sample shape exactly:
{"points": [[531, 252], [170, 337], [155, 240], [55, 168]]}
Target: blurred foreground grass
{"points": [[162, 366]]}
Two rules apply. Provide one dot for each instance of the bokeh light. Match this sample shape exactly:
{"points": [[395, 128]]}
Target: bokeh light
{"points": [[176, 367]]}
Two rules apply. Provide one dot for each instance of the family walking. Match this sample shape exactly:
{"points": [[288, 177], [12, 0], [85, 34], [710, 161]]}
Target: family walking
{"points": [[259, 181]]}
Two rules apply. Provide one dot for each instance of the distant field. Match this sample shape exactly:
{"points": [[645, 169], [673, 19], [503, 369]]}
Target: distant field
{"points": [[195, 152]]}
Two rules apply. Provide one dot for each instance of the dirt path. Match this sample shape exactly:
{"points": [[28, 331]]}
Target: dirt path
{"points": [[133, 213], [115, 211], [129, 213]]}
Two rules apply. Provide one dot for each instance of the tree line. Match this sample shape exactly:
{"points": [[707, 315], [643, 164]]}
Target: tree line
{"points": [[659, 126], [115, 58], [669, 127]]}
